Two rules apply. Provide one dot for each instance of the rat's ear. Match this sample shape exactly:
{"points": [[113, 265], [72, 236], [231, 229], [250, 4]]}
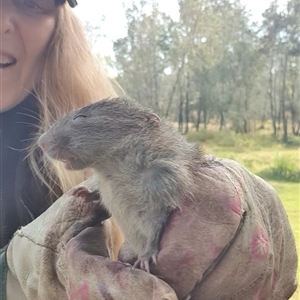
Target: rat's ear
{"points": [[153, 117]]}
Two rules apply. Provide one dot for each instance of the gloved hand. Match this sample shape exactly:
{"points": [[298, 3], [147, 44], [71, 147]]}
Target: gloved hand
{"points": [[58, 257], [234, 242], [67, 252]]}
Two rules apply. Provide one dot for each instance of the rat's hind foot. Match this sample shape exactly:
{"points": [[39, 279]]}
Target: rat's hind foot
{"points": [[87, 195], [144, 261]]}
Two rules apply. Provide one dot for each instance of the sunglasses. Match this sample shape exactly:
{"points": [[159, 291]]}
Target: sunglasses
{"points": [[40, 6], [72, 3]]}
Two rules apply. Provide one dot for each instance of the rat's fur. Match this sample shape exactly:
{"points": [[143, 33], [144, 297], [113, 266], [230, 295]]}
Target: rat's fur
{"points": [[145, 167]]}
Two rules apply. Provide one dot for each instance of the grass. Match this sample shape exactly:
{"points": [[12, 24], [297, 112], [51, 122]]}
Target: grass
{"points": [[263, 155]]}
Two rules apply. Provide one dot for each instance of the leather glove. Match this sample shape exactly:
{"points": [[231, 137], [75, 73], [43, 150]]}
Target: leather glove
{"points": [[67, 253]]}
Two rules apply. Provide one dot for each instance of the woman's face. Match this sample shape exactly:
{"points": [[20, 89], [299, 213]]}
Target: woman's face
{"points": [[26, 29]]}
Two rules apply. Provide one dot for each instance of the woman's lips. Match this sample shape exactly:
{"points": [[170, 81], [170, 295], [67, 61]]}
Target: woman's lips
{"points": [[6, 60]]}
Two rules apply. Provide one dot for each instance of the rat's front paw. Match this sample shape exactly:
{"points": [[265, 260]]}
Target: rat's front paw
{"points": [[144, 261], [87, 195]]}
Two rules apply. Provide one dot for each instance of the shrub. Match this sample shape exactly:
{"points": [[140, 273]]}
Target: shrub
{"points": [[222, 138], [282, 169]]}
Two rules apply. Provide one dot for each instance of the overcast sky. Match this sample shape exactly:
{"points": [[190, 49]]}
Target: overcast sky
{"points": [[114, 25]]}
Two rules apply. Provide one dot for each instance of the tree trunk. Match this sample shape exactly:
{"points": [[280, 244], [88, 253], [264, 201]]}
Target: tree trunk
{"points": [[293, 102], [205, 116], [187, 104], [156, 92], [246, 120], [198, 114], [180, 114], [245, 125], [174, 87], [296, 128], [222, 120], [282, 101], [271, 98]]}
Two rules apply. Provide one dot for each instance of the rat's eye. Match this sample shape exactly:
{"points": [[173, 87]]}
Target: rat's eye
{"points": [[79, 116]]}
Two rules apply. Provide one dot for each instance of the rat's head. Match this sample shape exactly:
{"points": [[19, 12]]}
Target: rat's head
{"points": [[87, 135]]}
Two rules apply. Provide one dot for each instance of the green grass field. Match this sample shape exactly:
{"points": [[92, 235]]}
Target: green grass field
{"points": [[277, 164]]}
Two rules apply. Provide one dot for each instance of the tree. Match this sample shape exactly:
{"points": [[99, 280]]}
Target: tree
{"points": [[213, 65], [280, 41], [143, 55]]}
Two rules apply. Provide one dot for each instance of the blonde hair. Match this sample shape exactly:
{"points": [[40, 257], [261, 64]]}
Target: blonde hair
{"points": [[72, 77]]}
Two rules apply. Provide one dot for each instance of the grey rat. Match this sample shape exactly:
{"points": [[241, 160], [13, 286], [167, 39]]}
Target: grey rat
{"points": [[145, 167]]}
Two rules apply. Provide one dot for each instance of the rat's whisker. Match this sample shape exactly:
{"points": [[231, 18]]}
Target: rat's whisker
{"points": [[28, 124], [30, 116], [27, 140]]}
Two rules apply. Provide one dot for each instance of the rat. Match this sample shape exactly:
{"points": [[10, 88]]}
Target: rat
{"points": [[144, 166]]}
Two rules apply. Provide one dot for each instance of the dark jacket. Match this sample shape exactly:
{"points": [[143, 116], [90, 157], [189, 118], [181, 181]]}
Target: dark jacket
{"points": [[22, 195]]}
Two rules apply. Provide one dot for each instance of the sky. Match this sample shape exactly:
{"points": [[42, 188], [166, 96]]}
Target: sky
{"points": [[114, 25]]}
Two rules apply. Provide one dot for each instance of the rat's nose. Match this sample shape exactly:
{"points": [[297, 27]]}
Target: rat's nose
{"points": [[41, 142], [42, 146]]}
